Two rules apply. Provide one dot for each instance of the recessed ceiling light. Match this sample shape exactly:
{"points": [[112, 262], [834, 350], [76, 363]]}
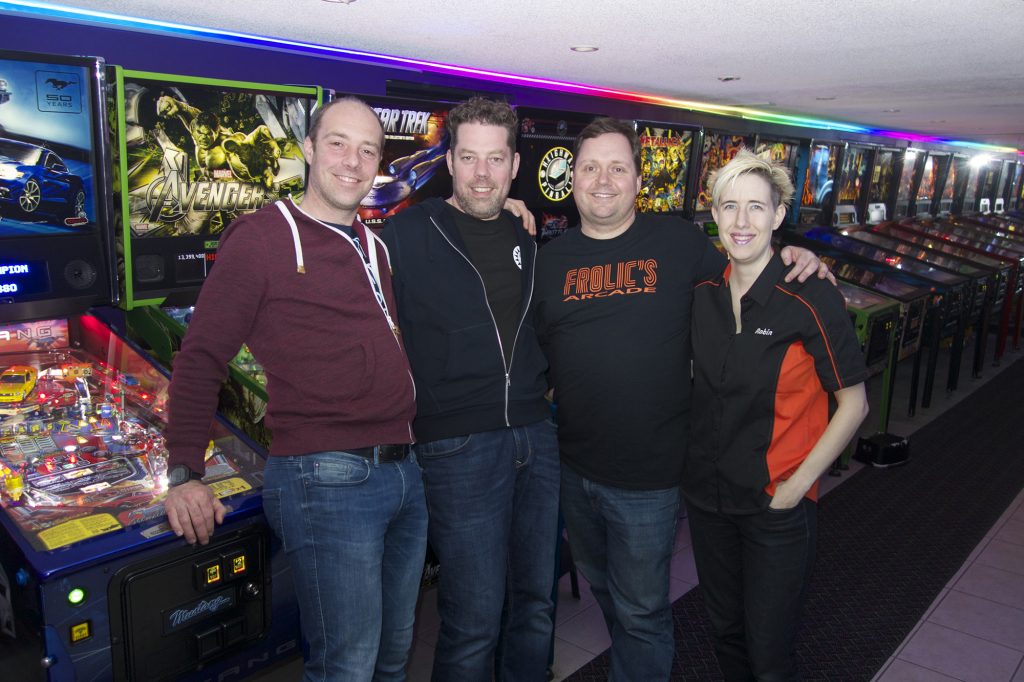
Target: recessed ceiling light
{"points": [[344, 2], [584, 48], [728, 79], [890, 111], [825, 99]]}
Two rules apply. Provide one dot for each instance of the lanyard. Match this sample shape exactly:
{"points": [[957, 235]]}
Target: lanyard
{"points": [[370, 264]]}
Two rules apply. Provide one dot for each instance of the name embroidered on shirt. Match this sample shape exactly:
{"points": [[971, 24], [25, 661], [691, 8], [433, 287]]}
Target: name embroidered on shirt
{"points": [[763, 332]]}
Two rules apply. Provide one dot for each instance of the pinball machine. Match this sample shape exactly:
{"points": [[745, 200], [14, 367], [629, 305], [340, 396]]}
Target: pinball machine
{"points": [[1007, 266], [96, 586], [953, 294], [191, 154], [545, 180], [913, 294], [983, 239]]}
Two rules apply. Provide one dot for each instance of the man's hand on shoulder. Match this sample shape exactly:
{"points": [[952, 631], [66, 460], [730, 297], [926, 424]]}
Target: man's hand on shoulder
{"points": [[192, 510], [518, 209], [807, 264]]}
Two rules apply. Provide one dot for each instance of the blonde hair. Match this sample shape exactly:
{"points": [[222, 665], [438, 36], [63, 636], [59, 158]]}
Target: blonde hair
{"points": [[746, 162]]}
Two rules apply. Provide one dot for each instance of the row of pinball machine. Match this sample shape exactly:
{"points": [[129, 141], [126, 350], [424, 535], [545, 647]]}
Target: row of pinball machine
{"points": [[114, 188]]}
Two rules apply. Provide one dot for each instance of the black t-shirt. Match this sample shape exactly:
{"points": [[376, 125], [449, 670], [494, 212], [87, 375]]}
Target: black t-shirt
{"points": [[613, 317], [347, 229], [494, 251]]}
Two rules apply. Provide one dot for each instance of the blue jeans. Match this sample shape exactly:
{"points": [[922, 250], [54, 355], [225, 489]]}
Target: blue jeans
{"points": [[493, 501], [753, 569], [622, 543], [354, 531]]}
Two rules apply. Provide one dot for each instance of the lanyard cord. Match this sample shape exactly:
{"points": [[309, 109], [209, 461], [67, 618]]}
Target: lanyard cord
{"points": [[370, 264]]}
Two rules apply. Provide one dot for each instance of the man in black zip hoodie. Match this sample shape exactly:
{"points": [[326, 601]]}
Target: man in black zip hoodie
{"points": [[463, 280]]}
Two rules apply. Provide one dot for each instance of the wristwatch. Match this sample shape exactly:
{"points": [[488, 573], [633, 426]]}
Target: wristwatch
{"points": [[181, 473]]}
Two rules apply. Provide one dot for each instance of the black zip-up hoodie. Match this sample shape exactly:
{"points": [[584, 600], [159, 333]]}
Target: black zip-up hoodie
{"points": [[462, 383]]}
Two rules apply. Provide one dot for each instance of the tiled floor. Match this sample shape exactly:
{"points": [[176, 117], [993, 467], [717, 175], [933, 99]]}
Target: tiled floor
{"points": [[973, 632], [580, 631]]}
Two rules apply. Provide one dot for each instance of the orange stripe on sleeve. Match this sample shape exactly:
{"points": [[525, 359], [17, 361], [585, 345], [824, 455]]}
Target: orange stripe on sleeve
{"points": [[821, 328]]}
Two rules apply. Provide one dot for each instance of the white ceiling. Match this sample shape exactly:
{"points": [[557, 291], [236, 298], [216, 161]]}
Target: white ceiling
{"points": [[951, 68]]}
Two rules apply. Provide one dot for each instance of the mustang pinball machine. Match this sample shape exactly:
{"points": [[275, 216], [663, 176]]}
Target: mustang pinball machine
{"points": [[95, 585]]}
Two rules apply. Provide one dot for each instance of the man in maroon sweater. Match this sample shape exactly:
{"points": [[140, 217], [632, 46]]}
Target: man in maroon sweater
{"points": [[309, 290]]}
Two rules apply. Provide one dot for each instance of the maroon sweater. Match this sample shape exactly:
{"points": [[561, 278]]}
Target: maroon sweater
{"points": [[337, 377]]}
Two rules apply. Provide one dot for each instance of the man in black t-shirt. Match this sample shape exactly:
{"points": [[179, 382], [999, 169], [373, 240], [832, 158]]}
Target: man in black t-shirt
{"points": [[463, 279], [613, 313]]}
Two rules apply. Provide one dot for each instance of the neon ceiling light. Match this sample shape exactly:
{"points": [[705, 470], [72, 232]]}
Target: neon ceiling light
{"points": [[51, 10]]}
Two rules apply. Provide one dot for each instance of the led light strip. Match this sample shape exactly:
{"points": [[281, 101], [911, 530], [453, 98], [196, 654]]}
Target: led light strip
{"points": [[51, 10]]}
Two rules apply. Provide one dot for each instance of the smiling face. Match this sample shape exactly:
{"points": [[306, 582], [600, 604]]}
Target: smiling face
{"points": [[746, 217], [605, 184], [343, 162], [482, 167]]}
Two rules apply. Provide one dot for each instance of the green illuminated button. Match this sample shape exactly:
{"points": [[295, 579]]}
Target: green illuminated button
{"points": [[76, 596]]}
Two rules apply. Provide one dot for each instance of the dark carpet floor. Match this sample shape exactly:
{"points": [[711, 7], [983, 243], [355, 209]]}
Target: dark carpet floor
{"points": [[889, 541]]}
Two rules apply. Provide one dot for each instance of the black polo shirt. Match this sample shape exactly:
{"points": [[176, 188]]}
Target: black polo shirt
{"points": [[761, 396]]}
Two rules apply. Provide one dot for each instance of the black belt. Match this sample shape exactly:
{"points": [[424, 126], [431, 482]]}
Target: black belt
{"points": [[383, 453]]}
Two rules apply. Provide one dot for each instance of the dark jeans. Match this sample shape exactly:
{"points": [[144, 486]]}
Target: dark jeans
{"points": [[355, 533], [622, 543], [493, 504], [753, 569]]}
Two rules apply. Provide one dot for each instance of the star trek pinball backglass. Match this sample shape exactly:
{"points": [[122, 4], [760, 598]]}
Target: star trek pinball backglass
{"points": [[413, 165]]}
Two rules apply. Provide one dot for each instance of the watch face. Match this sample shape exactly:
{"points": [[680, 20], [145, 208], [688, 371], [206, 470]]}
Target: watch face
{"points": [[178, 474]]}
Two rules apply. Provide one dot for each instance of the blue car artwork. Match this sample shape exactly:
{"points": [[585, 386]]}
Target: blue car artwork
{"points": [[35, 184]]}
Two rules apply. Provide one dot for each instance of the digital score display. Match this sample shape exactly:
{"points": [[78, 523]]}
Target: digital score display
{"points": [[24, 278], [192, 268]]}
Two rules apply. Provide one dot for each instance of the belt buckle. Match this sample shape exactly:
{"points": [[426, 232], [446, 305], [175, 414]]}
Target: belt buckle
{"points": [[392, 453]]}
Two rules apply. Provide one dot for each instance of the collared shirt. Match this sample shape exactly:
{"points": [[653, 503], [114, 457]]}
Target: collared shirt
{"points": [[761, 395]]}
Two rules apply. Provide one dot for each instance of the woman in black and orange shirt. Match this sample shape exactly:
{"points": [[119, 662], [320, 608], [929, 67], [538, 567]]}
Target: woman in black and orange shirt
{"points": [[766, 355]]}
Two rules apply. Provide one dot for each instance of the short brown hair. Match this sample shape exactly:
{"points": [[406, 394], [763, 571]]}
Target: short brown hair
{"points": [[486, 112], [603, 126]]}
